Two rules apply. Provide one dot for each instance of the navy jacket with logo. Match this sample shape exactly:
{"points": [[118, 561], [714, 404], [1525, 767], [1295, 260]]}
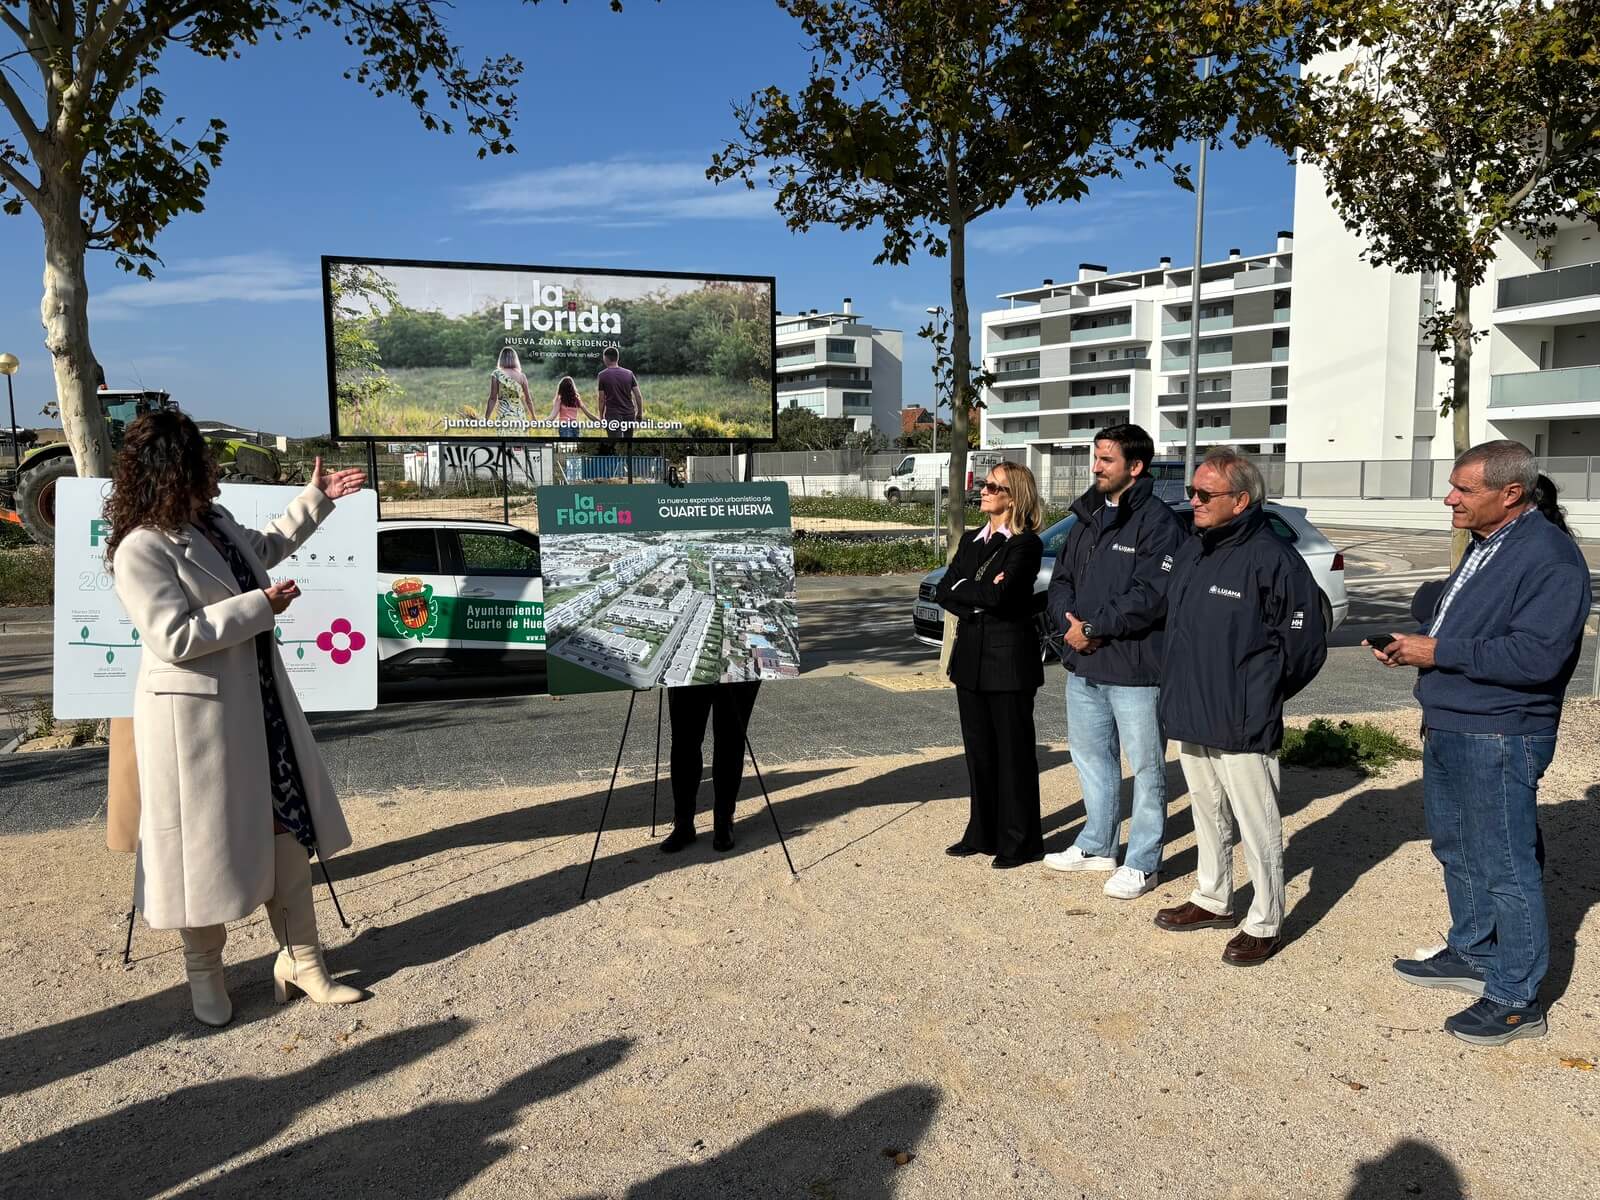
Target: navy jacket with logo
{"points": [[1115, 576], [1244, 634]]}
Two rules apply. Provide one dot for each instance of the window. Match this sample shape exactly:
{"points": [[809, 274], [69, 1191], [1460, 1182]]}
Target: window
{"points": [[841, 346], [499, 554], [408, 552]]}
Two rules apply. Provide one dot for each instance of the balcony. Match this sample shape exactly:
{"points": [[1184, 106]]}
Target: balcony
{"points": [[842, 356], [1210, 361], [1181, 399], [1010, 437], [1207, 325], [1547, 287], [1098, 333], [1277, 433], [1020, 375], [1280, 316], [1084, 434], [1005, 345], [1109, 364], [1280, 354], [1202, 433], [1536, 389], [1001, 407], [795, 360], [1278, 391], [1110, 401]]}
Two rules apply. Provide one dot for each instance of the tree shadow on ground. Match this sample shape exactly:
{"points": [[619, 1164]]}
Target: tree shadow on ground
{"points": [[814, 1153], [1372, 824], [155, 1145], [1411, 1168]]}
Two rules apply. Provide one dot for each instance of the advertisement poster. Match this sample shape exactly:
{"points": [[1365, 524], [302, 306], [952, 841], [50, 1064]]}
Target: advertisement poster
{"points": [[433, 350], [665, 587], [327, 637]]}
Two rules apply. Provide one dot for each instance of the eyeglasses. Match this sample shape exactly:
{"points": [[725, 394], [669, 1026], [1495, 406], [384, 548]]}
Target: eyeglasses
{"points": [[990, 485], [1206, 497]]}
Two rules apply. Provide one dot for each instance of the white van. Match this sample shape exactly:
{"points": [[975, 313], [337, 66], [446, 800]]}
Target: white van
{"points": [[916, 475]]}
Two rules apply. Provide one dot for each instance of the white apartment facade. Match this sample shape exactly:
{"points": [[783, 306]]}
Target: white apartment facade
{"points": [[1366, 385], [837, 365], [1072, 358]]}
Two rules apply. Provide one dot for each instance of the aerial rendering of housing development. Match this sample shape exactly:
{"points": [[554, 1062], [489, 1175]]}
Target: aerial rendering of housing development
{"points": [[673, 608]]}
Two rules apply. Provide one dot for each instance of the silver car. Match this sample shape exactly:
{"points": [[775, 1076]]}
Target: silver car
{"points": [[1291, 524]]}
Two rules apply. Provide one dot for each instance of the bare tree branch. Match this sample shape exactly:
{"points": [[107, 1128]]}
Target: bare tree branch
{"points": [[95, 43], [20, 182], [9, 20], [31, 133]]}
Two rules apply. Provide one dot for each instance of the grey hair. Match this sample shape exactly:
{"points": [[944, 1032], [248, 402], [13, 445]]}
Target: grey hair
{"points": [[1504, 462], [1242, 474]]}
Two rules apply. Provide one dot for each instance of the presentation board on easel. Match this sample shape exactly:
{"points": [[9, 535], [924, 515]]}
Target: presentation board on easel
{"points": [[650, 586]]}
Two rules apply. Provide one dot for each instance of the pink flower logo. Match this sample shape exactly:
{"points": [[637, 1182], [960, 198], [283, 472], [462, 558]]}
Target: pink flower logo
{"points": [[339, 642]]}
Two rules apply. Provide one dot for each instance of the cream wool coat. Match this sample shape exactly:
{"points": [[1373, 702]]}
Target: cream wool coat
{"points": [[205, 823]]}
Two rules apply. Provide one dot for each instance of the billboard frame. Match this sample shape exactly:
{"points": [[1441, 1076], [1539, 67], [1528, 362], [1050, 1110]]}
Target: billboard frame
{"points": [[637, 443]]}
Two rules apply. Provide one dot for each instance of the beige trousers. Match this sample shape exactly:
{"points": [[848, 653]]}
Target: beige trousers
{"points": [[1229, 792]]}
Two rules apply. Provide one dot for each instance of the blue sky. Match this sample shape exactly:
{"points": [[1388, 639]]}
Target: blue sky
{"points": [[618, 117]]}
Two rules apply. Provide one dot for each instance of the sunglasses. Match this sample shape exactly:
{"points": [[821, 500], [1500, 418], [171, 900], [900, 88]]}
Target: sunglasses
{"points": [[990, 485], [1206, 497]]}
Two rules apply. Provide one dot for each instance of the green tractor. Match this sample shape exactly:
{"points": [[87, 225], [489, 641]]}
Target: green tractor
{"points": [[28, 492]]}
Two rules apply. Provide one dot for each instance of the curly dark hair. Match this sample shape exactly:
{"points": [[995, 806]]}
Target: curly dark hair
{"points": [[163, 468]]}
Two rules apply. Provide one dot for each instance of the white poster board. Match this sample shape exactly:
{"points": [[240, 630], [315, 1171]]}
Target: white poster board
{"points": [[327, 637]]}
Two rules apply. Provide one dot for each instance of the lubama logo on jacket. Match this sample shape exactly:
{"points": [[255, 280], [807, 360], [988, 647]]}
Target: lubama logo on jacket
{"points": [[1228, 592]]}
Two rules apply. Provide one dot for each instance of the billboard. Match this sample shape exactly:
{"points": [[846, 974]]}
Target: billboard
{"points": [[667, 587], [326, 637], [434, 350]]}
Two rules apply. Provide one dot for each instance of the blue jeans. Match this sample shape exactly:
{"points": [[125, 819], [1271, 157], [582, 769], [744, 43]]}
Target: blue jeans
{"points": [[1480, 794], [1103, 721]]}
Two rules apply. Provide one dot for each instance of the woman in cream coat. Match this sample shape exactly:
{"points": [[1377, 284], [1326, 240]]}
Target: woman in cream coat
{"points": [[235, 796]]}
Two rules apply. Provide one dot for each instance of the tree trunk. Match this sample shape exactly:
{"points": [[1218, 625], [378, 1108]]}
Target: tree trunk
{"points": [[65, 313], [960, 358], [1461, 392]]}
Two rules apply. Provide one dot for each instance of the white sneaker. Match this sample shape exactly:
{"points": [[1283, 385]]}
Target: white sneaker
{"points": [[1128, 884], [1074, 859]]}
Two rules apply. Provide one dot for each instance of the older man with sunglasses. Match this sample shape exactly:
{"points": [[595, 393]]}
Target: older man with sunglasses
{"points": [[1244, 634]]}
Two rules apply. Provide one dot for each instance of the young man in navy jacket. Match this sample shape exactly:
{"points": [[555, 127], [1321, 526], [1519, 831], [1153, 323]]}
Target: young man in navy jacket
{"points": [[1244, 634], [1108, 604], [1499, 643]]}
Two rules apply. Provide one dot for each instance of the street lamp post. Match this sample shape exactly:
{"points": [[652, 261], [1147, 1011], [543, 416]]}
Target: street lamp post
{"points": [[8, 368], [1194, 303], [936, 312]]}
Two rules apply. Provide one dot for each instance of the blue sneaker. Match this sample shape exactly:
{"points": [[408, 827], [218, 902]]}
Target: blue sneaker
{"points": [[1487, 1023], [1446, 969]]}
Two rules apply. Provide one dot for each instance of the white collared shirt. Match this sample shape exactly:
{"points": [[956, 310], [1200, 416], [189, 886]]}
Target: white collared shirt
{"points": [[990, 529]]}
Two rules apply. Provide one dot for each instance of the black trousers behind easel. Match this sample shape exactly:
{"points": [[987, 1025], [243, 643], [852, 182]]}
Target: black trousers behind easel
{"points": [[728, 706], [1003, 772]]}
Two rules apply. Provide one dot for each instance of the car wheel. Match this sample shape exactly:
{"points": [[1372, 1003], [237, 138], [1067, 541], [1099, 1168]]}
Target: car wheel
{"points": [[892, 495]]}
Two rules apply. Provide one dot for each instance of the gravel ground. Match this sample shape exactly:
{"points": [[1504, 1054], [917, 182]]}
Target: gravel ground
{"points": [[706, 1027]]}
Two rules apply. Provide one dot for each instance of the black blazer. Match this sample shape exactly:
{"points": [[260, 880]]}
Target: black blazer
{"points": [[997, 645]]}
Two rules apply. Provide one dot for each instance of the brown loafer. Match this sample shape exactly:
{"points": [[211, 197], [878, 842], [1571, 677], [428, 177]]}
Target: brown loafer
{"points": [[1190, 915], [1246, 950]]}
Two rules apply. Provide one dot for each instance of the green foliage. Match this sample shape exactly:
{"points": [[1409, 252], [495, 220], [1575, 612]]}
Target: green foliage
{"points": [[802, 429], [850, 508], [361, 386], [830, 556], [1357, 746], [27, 576]]}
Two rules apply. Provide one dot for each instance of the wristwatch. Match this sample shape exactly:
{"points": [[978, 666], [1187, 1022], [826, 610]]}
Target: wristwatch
{"points": [[1087, 629]]}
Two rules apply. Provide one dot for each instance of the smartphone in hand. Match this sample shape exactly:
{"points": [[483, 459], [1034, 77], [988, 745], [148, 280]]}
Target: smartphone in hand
{"points": [[1380, 641]]}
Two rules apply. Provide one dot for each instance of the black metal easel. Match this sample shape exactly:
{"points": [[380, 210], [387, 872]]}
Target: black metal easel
{"points": [[617, 766]]}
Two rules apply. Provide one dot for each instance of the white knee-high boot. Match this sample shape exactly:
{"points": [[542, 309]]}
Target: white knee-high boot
{"points": [[294, 920], [202, 958]]}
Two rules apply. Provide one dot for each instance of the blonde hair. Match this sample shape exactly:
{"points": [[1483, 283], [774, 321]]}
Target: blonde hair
{"points": [[1027, 513], [509, 360]]}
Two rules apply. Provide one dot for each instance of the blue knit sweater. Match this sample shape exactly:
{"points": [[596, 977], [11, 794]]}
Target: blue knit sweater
{"points": [[1510, 639]]}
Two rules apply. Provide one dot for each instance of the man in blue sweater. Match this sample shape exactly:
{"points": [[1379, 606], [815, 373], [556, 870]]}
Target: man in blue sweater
{"points": [[1499, 643]]}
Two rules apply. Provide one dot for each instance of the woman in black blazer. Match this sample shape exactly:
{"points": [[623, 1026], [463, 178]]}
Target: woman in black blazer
{"points": [[996, 667]]}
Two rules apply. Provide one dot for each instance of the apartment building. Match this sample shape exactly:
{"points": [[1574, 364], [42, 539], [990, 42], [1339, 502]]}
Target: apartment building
{"points": [[837, 365], [1367, 388], [1071, 358]]}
